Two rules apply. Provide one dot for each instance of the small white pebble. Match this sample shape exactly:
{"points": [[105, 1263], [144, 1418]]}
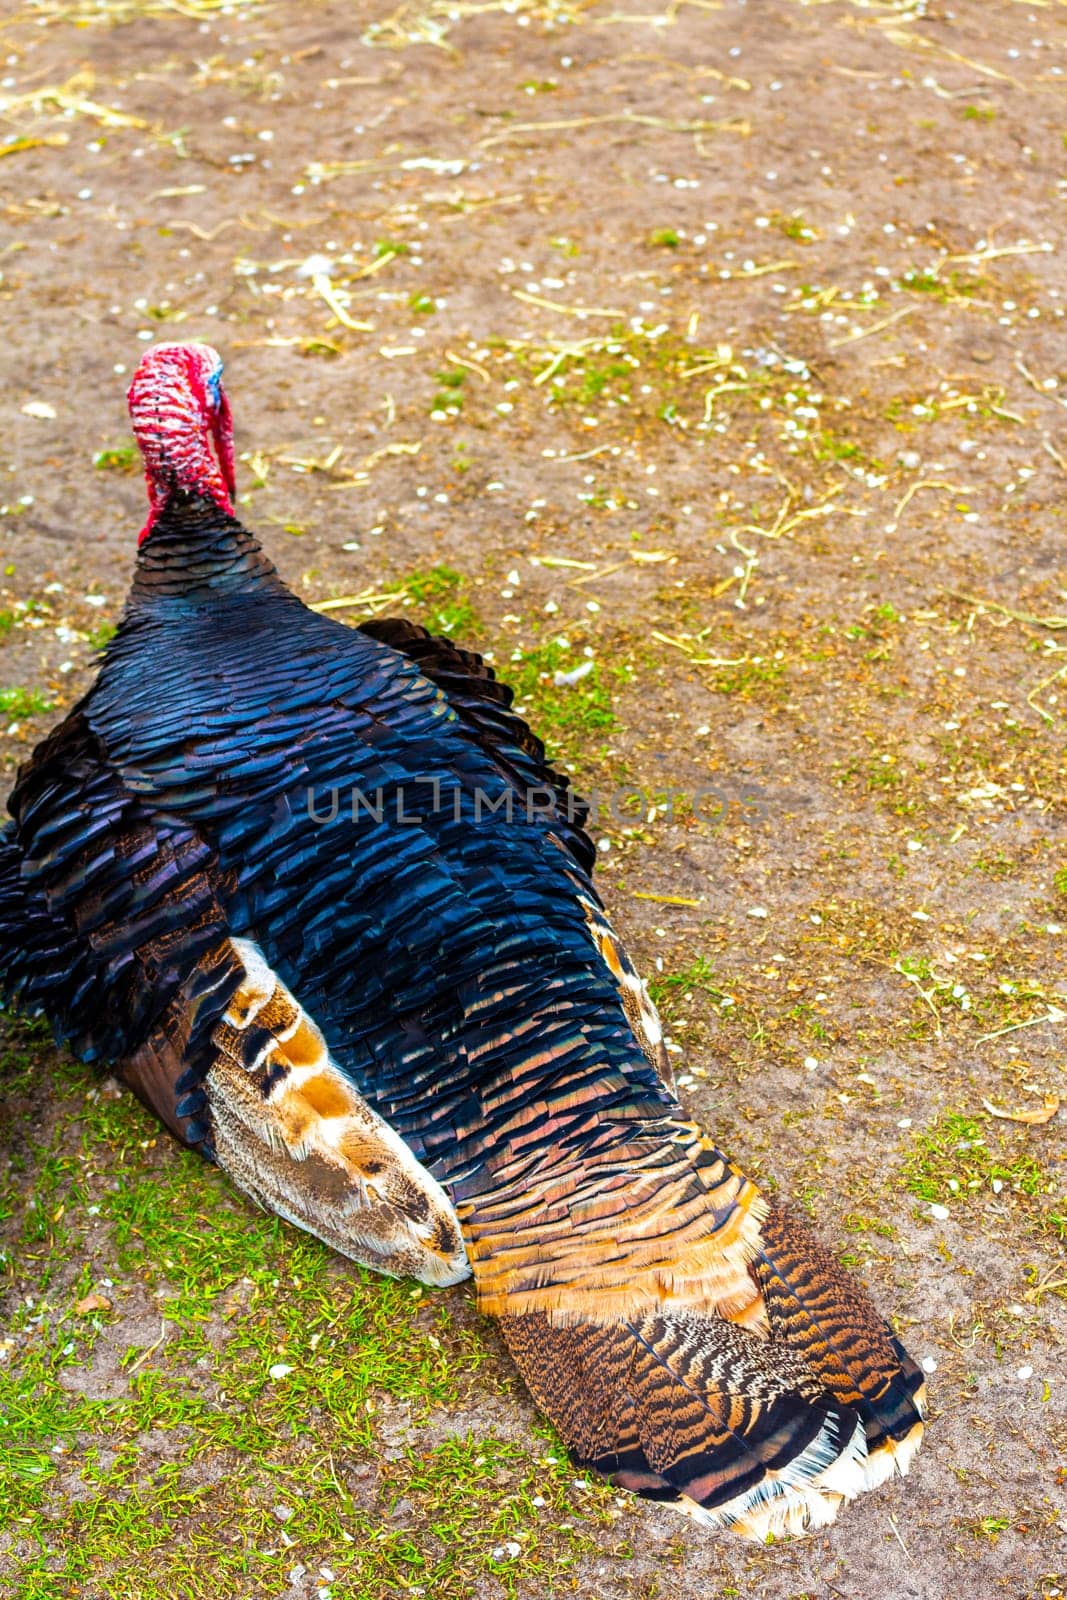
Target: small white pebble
{"points": [[315, 267], [811, 1063], [1024, 1373], [279, 1371], [939, 1213], [759, 912], [929, 1364]]}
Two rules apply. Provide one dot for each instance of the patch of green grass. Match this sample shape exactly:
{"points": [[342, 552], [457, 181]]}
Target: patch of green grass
{"points": [[593, 380], [99, 638], [960, 1157], [449, 397], [989, 1527], [19, 1047], [1056, 1220], [814, 1024], [164, 311], [149, 1450], [757, 678], [7, 622], [979, 114], [698, 977], [1059, 881], [124, 458], [795, 227], [391, 247], [665, 238], [933, 990], [830, 446], [950, 287], [566, 716], [995, 864], [440, 593], [23, 703], [857, 1224], [423, 305], [923, 283], [597, 380], [641, 374], [883, 775]]}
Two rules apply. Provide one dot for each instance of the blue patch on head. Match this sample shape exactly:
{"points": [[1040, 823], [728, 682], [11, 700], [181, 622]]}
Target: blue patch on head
{"points": [[214, 386]]}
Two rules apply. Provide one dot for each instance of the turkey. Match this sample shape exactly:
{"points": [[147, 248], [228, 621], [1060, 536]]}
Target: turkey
{"points": [[316, 894]]}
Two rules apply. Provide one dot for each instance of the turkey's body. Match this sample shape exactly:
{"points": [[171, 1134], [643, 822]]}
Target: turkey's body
{"points": [[327, 906]]}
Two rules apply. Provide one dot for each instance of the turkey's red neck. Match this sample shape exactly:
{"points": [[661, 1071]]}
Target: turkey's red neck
{"points": [[181, 420]]}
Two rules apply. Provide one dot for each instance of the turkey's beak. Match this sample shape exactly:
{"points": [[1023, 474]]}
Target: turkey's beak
{"points": [[222, 433]]}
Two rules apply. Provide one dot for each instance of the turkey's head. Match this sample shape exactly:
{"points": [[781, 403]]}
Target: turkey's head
{"points": [[182, 424]]}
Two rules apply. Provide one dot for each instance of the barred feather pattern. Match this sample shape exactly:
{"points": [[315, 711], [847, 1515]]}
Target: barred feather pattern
{"points": [[820, 1312], [630, 1219], [698, 1413]]}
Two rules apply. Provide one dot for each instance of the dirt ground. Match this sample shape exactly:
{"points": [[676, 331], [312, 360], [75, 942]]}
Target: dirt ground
{"points": [[725, 344]]}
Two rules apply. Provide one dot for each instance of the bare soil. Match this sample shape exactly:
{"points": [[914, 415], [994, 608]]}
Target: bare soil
{"points": [[798, 492]]}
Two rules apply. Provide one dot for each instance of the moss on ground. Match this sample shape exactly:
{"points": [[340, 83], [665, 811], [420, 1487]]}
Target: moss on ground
{"points": [[196, 1399]]}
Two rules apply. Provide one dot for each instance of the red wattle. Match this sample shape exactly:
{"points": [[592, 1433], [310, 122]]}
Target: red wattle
{"points": [[182, 423]]}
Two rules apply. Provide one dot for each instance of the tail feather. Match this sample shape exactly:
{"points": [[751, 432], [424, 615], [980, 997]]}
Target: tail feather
{"points": [[732, 1428], [821, 1312], [762, 1425]]}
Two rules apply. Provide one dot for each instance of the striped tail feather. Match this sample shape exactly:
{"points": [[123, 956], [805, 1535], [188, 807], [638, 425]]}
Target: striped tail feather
{"points": [[759, 1413], [729, 1427], [819, 1310]]}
